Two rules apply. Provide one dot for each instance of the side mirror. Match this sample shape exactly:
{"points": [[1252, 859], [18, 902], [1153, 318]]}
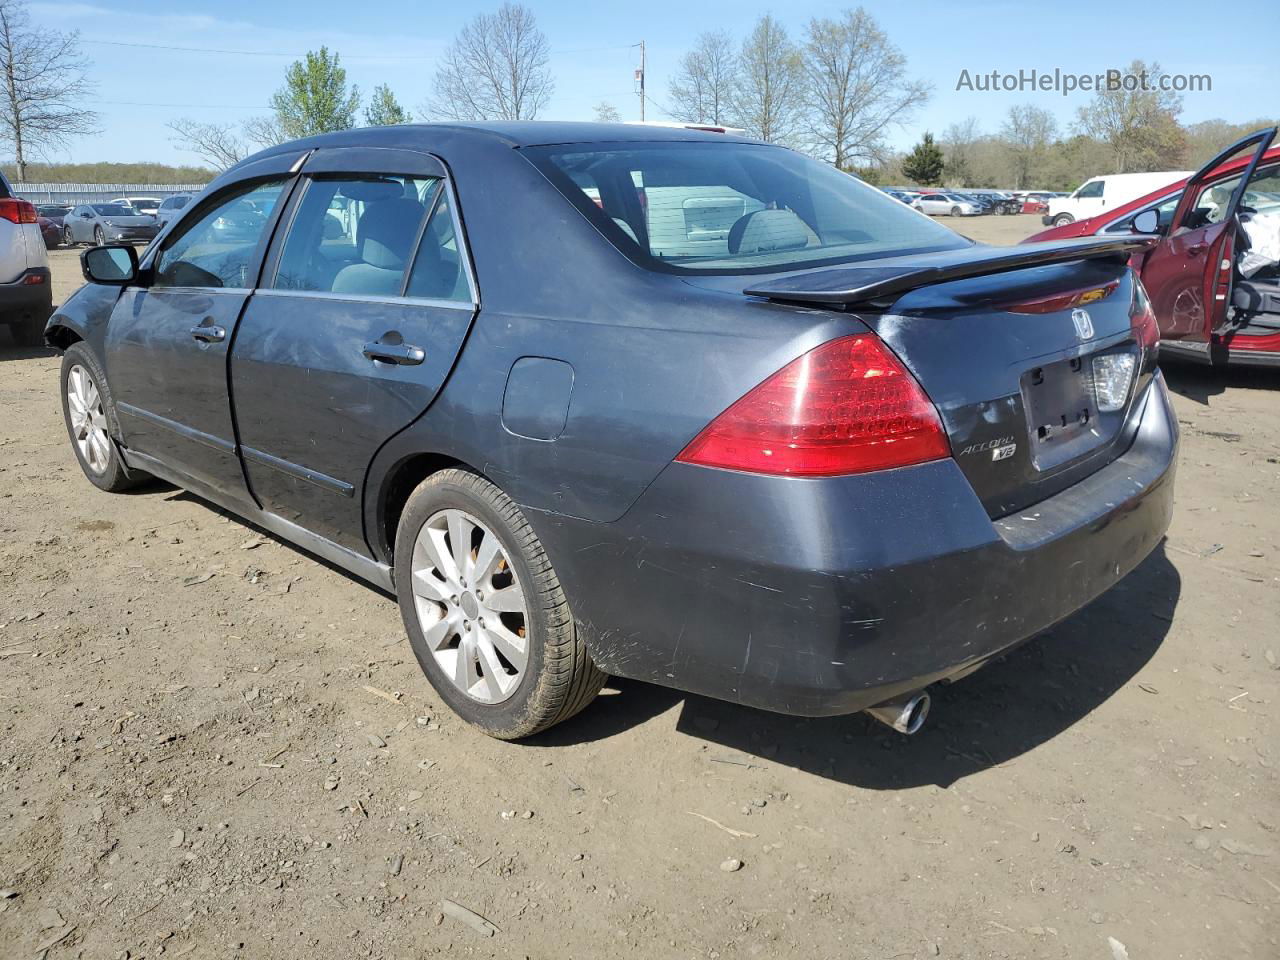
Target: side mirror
{"points": [[1148, 221], [114, 264]]}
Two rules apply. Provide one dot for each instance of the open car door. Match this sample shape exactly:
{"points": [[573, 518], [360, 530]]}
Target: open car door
{"points": [[1189, 274]]}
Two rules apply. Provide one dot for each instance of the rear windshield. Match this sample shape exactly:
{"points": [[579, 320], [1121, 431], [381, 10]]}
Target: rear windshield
{"points": [[733, 207]]}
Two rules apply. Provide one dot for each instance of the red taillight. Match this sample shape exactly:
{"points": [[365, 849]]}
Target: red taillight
{"points": [[847, 406], [17, 211], [1143, 318]]}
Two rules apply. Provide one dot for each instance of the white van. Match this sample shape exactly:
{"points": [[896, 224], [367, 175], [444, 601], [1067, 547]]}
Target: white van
{"points": [[1101, 194]]}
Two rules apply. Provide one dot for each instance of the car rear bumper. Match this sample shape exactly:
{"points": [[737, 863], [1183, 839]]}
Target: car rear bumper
{"points": [[820, 597], [23, 300], [1047, 220]]}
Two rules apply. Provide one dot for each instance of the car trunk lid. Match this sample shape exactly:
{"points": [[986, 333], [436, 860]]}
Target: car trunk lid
{"points": [[1008, 348]]}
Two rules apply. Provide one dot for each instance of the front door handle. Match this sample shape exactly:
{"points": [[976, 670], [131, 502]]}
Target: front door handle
{"points": [[401, 353], [209, 334]]}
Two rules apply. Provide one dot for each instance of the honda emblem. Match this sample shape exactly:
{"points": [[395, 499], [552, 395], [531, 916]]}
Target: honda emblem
{"points": [[1084, 324]]}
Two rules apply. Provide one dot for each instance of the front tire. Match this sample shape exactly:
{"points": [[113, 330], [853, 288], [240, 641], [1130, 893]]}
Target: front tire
{"points": [[67, 238], [99, 238], [484, 610], [86, 409], [1062, 219], [957, 212]]}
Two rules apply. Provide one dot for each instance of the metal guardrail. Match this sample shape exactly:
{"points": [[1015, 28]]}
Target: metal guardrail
{"points": [[98, 192]]}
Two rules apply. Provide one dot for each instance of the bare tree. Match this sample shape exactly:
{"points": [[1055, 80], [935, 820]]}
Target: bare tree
{"points": [[703, 87], [218, 144], [857, 86], [223, 145], [43, 87], [495, 69], [606, 112], [1028, 130], [958, 143], [769, 95], [1139, 123]]}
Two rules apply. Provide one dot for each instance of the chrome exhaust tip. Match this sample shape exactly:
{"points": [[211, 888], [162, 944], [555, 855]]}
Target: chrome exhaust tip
{"points": [[906, 714]]}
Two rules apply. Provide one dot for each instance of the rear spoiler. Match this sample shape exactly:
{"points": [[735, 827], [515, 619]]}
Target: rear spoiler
{"points": [[880, 279]]}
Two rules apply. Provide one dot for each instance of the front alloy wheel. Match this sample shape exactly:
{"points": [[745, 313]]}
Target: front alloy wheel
{"points": [[88, 420], [470, 606], [99, 238], [86, 408]]}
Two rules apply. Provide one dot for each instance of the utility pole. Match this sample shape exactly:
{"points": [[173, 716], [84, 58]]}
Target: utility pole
{"points": [[640, 80]]}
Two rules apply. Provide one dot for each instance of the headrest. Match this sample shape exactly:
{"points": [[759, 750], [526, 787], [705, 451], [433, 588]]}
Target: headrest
{"points": [[387, 231], [371, 191], [768, 230]]}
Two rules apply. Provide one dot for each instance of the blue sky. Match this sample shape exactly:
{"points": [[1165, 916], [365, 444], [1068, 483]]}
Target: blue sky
{"points": [[397, 42]]}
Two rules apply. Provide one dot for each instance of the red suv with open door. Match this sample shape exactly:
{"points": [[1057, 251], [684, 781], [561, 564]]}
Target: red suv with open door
{"points": [[1208, 309]]}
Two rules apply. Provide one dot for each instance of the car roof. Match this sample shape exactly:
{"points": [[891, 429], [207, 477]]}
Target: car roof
{"points": [[515, 133]]}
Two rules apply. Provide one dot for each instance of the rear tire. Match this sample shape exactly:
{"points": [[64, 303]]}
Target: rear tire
{"points": [[445, 595], [29, 332], [91, 422]]}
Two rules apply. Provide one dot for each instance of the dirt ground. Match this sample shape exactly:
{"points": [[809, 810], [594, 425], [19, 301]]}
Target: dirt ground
{"points": [[213, 745]]}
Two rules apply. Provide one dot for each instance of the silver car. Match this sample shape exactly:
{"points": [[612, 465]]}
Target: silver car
{"points": [[946, 205], [107, 222]]}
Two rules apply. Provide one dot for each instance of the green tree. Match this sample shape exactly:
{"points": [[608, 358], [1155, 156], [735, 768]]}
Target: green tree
{"points": [[384, 109], [1138, 120], [1028, 131], [924, 165], [769, 94], [315, 97]]}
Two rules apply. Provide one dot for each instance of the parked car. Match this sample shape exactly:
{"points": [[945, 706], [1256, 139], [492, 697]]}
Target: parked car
{"points": [[103, 222], [1202, 235], [147, 205], [49, 232], [1100, 194], [53, 212], [26, 296], [493, 396], [170, 207], [946, 204]]}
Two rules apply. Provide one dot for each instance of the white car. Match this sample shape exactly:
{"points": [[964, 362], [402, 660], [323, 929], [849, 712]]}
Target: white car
{"points": [[148, 205], [1100, 194], [946, 204], [26, 297]]}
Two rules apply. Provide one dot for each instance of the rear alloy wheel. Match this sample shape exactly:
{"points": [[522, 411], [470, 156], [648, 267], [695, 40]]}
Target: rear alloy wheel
{"points": [[99, 238], [86, 406], [1062, 219], [486, 617]]}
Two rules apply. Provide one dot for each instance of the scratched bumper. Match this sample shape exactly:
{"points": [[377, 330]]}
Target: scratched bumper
{"points": [[818, 597]]}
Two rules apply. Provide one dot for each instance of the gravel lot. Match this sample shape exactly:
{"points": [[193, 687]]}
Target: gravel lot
{"points": [[213, 745]]}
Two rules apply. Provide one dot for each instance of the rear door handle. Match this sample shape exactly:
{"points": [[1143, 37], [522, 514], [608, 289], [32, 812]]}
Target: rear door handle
{"points": [[209, 334], [401, 353]]}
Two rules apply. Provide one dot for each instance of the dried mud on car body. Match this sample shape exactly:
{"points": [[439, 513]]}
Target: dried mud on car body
{"points": [[213, 744]]}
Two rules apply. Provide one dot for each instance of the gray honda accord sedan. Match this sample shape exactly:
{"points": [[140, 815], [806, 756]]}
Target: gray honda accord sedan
{"points": [[671, 405]]}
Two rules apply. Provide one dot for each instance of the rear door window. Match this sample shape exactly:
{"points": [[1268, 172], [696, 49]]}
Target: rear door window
{"points": [[355, 235], [438, 270]]}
